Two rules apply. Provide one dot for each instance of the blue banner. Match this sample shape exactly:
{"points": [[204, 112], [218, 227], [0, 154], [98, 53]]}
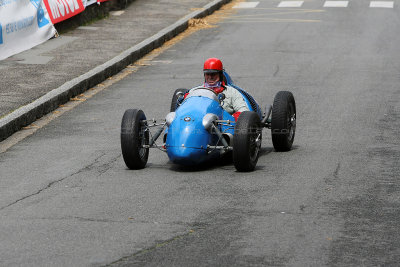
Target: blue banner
{"points": [[1, 34]]}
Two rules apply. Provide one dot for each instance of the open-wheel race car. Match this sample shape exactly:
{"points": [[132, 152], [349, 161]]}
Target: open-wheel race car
{"points": [[198, 129]]}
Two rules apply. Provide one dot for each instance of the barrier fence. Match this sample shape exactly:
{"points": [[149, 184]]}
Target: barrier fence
{"points": [[27, 23]]}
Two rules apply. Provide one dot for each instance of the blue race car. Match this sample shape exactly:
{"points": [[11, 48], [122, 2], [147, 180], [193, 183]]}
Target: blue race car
{"points": [[198, 129]]}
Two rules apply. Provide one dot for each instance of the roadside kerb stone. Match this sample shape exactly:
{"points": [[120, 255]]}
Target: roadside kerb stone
{"points": [[27, 114]]}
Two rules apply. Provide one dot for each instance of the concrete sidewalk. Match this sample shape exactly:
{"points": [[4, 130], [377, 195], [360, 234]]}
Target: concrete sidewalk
{"points": [[35, 82]]}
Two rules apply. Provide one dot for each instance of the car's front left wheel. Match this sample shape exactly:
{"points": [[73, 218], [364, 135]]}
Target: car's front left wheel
{"points": [[283, 121], [247, 141]]}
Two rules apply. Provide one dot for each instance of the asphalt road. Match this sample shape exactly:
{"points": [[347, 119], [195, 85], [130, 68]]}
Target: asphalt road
{"points": [[67, 199]]}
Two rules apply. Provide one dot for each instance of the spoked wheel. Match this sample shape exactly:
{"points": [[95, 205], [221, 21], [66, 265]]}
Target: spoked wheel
{"points": [[247, 141], [174, 100], [134, 135], [283, 122]]}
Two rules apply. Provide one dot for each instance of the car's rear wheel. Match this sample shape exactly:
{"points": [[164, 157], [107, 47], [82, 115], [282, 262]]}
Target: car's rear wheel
{"points": [[134, 135], [247, 141], [174, 101], [283, 121]]}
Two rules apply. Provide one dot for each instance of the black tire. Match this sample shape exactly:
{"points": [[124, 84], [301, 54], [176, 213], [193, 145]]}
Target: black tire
{"points": [[175, 98], [283, 121], [133, 137], [246, 147]]}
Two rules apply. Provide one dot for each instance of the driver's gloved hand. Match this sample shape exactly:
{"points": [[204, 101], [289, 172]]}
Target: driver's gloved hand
{"points": [[236, 115]]}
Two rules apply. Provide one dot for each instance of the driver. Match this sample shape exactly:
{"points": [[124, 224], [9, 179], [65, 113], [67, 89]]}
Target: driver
{"points": [[233, 103]]}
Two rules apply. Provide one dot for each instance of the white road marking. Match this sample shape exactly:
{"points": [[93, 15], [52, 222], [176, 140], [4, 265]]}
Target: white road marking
{"points": [[291, 4], [246, 5], [117, 13], [336, 4], [382, 4]]}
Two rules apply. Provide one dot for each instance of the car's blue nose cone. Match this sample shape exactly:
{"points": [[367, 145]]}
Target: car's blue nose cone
{"points": [[187, 155], [187, 139]]}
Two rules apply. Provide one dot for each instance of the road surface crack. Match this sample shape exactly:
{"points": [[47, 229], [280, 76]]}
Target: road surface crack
{"points": [[49, 185], [150, 249]]}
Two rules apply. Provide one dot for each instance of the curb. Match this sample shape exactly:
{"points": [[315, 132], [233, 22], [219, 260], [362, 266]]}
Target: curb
{"points": [[25, 115]]}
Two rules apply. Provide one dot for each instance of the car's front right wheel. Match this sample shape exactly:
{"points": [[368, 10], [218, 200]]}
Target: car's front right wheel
{"points": [[134, 137]]}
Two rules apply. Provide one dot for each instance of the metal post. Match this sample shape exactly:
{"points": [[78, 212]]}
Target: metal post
{"points": [[218, 132], [267, 113], [156, 135]]}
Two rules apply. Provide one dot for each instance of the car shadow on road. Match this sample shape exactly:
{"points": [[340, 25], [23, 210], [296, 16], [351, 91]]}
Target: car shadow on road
{"points": [[265, 151], [224, 162], [207, 166]]}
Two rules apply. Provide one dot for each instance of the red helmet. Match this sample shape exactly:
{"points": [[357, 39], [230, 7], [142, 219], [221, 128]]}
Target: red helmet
{"points": [[213, 65]]}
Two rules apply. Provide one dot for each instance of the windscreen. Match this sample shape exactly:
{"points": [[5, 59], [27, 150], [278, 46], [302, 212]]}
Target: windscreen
{"points": [[205, 92]]}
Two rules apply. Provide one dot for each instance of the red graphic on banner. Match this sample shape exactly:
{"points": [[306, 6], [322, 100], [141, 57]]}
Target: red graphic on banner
{"points": [[100, 1], [60, 10]]}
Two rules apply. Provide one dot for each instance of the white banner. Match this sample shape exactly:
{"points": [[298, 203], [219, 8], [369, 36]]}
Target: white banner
{"points": [[23, 25]]}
